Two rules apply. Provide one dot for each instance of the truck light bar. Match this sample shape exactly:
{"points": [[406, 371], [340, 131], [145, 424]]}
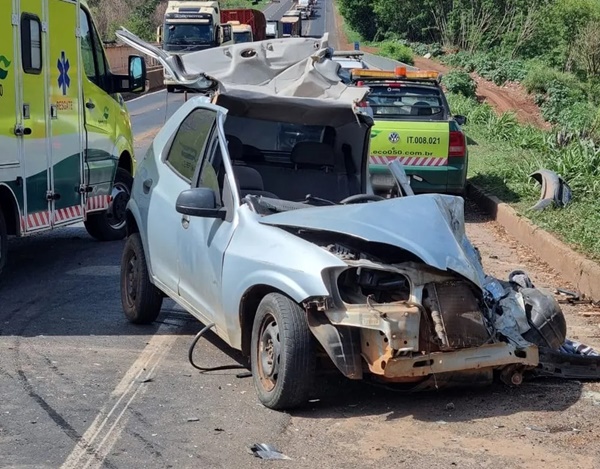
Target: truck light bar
{"points": [[399, 72]]}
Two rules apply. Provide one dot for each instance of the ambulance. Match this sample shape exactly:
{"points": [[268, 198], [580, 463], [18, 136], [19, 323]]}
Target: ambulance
{"points": [[66, 145]]}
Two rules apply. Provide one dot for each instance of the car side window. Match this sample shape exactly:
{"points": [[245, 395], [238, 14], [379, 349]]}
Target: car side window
{"points": [[212, 172], [190, 142]]}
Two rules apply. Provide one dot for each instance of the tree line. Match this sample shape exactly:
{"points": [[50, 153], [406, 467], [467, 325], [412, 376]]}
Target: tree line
{"points": [[563, 33]]}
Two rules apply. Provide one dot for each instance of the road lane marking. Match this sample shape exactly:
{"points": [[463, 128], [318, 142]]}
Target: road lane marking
{"points": [[144, 96], [96, 443], [148, 134]]}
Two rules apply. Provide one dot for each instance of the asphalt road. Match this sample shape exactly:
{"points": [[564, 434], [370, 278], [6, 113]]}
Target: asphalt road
{"points": [[81, 388]]}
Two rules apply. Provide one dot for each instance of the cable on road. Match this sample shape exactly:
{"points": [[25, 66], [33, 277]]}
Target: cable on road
{"points": [[247, 374]]}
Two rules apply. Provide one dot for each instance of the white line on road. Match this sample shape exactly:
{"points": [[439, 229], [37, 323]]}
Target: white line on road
{"points": [[144, 96], [108, 424]]}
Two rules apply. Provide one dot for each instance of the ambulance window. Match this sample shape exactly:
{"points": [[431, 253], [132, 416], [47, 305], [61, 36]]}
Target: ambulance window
{"points": [[94, 62], [31, 44]]}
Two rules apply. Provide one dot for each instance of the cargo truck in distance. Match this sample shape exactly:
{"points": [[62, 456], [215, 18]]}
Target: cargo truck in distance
{"points": [[274, 29], [65, 133], [248, 25], [191, 26], [292, 23]]}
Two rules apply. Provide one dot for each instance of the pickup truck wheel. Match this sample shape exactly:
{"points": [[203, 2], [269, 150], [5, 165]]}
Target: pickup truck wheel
{"points": [[3, 241], [110, 225], [140, 299], [282, 353]]}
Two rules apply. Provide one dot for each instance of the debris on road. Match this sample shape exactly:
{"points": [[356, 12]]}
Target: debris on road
{"points": [[193, 419], [265, 451]]}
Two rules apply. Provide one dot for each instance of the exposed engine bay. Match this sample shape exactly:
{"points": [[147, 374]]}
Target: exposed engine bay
{"points": [[405, 322]]}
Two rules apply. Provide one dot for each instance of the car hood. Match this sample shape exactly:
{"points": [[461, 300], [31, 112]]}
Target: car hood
{"points": [[430, 226]]}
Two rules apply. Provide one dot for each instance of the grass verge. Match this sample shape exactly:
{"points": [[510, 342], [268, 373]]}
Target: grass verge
{"points": [[502, 154]]}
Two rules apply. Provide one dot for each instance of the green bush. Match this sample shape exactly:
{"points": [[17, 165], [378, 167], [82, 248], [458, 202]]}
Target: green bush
{"points": [[397, 51], [460, 82]]}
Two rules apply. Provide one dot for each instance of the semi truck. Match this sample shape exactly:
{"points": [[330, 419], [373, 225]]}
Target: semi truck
{"points": [[191, 26], [274, 29], [248, 24], [65, 133], [292, 23]]}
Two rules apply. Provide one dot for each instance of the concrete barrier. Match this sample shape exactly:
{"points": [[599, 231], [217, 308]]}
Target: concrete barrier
{"points": [[583, 273]]}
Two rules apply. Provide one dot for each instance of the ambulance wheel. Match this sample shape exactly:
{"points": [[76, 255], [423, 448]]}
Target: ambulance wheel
{"points": [[3, 242], [110, 225], [140, 299]]}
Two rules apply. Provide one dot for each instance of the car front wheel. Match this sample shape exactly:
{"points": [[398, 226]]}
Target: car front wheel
{"points": [[283, 356], [140, 299]]}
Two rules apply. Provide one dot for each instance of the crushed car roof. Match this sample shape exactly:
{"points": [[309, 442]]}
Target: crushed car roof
{"points": [[283, 67]]}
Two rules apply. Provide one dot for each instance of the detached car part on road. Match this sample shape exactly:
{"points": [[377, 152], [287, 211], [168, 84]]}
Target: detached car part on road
{"points": [[278, 245]]}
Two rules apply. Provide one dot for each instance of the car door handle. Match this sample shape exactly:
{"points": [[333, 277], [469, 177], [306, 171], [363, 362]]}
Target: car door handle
{"points": [[90, 105], [185, 221], [147, 185]]}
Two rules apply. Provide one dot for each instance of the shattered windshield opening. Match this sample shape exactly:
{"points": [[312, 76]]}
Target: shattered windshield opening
{"points": [[289, 164]]}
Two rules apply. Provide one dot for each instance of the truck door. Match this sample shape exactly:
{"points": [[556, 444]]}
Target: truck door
{"points": [[31, 122], [66, 121], [100, 110]]}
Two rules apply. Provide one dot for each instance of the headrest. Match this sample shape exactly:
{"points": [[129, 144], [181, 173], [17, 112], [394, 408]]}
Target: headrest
{"points": [[248, 178], [421, 108], [253, 154], [314, 153], [235, 146]]}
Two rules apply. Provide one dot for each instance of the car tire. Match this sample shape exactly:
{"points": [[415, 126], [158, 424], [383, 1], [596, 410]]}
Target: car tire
{"points": [[103, 227], [140, 299], [3, 242], [282, 353], [170, 89]]}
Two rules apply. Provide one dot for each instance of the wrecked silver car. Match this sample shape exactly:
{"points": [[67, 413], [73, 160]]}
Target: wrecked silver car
{"points": [[252, 209]]}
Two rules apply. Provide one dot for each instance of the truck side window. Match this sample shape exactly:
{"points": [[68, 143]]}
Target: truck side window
{"points": [[31, 43], [94, 61], [190, 141]]}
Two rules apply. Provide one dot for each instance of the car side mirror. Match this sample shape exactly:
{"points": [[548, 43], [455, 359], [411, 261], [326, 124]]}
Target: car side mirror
{"points": [[199, 202], [137, 73], [460, 120]]}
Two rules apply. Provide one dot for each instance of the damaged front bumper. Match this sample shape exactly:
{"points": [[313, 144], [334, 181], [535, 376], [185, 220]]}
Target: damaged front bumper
{"points": [[437, 325]]}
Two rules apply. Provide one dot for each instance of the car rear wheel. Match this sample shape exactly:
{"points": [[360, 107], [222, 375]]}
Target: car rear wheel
{"points": [[282, 353], [140, 299], [110, 224]]}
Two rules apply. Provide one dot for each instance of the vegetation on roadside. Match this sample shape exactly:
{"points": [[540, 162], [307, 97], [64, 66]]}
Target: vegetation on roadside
{"points": [[552, 47], [502, 155]]}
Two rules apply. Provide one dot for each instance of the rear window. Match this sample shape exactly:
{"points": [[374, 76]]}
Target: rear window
{"points": [[270, 136], [398, 101]]}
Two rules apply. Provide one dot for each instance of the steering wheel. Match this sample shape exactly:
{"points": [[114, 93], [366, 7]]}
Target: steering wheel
{"points": [[360, 198]]}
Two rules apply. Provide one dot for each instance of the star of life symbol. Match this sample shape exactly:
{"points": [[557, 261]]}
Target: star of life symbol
{"points": [[63, 73], [394, 137]]}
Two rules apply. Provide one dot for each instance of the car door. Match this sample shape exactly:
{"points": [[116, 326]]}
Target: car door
{"points": [[201, 242], [175, 174], [32, 127], [101, 110]]}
